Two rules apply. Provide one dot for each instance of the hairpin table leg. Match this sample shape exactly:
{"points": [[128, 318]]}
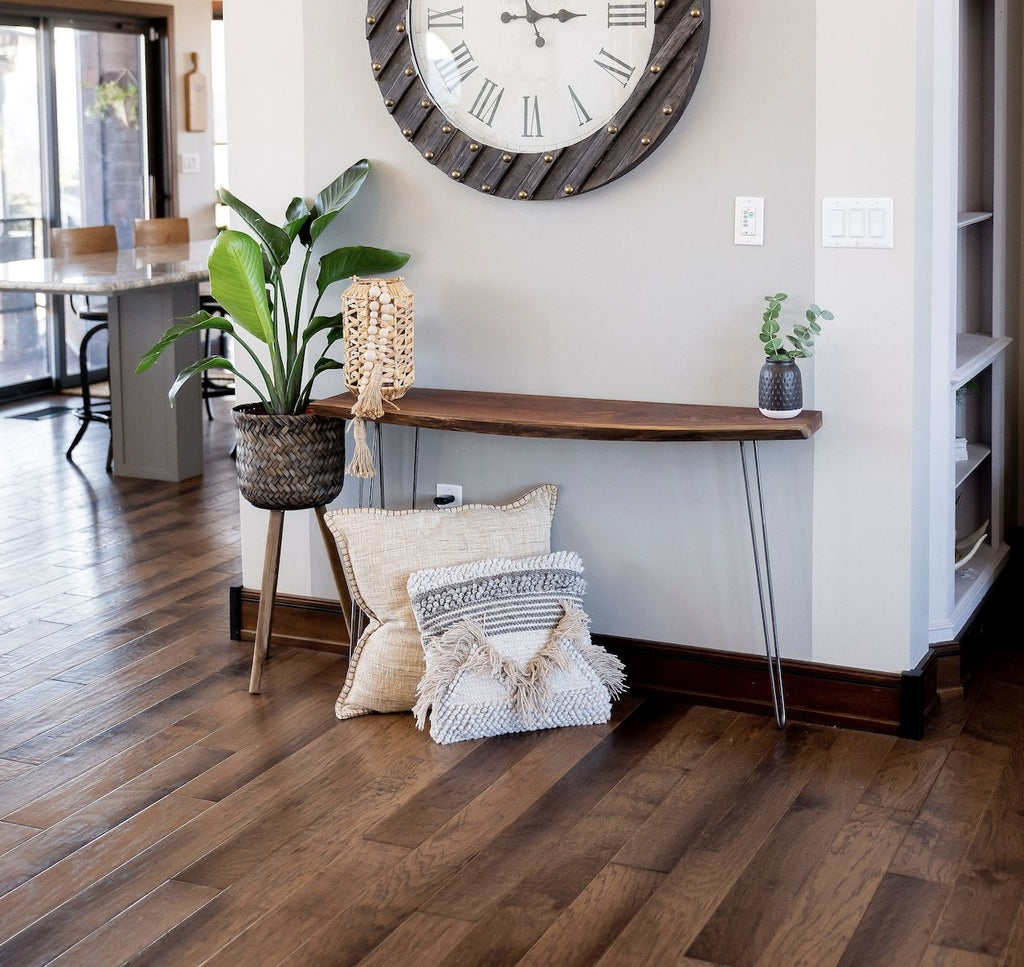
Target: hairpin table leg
{"points": [[765, 590]]}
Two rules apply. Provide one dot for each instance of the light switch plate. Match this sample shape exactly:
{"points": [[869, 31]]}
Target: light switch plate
{"points": [[189, 163], [856, 222], [749, 221]]}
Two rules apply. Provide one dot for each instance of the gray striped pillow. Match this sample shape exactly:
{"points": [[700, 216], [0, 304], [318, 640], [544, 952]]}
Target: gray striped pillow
{"points": [[507, 648]]}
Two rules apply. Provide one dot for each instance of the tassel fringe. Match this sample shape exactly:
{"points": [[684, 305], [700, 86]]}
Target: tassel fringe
{"points": [[464, 647], [448, 654], [361, 464], [609, 670], [370, 404]]}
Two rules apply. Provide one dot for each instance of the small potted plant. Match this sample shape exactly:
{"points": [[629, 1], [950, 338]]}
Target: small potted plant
{"points": [[780, 390], [287, 459]]}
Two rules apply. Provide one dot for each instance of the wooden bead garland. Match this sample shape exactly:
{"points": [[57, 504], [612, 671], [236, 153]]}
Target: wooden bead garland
{"points": [[378, 333]]}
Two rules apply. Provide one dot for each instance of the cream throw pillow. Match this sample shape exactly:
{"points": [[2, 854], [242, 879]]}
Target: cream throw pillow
{"points": [[381, 548]]}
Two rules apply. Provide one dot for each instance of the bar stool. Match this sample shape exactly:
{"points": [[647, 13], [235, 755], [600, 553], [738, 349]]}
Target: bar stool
{"points": [[67, 243]]}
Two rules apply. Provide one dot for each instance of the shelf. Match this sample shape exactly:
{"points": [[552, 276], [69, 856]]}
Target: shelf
{"points": [[976, 456], [970, 583], [573, 418], [963, 219], [975, 351]]}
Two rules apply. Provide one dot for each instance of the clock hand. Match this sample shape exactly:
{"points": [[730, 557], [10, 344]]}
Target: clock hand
{"points": [[531, 17], [562, 16]]}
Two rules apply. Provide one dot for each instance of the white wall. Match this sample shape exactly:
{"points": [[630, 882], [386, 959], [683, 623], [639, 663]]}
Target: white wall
{"points": [[870, 489], [636, 291], [196, 192]]}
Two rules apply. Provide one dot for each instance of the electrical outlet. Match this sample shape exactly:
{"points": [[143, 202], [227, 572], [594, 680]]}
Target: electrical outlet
{"points": [[448, 495]]}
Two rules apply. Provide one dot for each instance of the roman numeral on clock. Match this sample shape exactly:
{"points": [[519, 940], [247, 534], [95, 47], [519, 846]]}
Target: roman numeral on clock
{"points": [[457, 67], [581, 112], [616, 68], [531, 117], [627, 14], [485, 105], [436, 19]]}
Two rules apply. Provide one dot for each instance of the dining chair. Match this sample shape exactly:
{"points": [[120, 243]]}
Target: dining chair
{"points": [[150, 232], [67, 243]]}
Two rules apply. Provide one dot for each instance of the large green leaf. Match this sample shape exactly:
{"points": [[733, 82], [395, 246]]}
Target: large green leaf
{"points": [[196, 322], [299, 217], [201, 366], [336, 196], [351, 260], [320, 323], [276, 240], [239, 285]]}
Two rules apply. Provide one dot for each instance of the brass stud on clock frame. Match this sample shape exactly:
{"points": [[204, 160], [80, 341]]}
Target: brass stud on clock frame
{"points": [[474, 146], [548, 158], [667, 110], [524, 194], [655, 68], [486, 189], [506, 158], [389, 102], [399, 28], [409, 72], [569, 190], [446, 129], [645, 140], [370, 21], [429, 155], [456, 174], [376, 67], [695, 12], [425, 104], [407, 132], [660, 3], [612, 129]]}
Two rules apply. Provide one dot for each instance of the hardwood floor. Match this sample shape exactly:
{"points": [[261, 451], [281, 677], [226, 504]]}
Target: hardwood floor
{"points": [[153, 812]]}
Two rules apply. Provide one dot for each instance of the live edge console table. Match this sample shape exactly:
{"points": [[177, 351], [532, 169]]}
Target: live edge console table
{"points": [[570, 418]]}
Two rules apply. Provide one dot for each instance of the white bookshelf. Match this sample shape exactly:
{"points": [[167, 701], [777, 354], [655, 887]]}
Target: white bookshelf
{"points": [[969, 389]]}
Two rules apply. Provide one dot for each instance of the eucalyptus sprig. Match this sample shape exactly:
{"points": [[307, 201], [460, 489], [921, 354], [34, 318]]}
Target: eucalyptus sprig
{"points": [[802, 337]]}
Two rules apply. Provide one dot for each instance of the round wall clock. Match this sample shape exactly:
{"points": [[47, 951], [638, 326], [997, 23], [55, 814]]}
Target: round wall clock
{"points": [[532, 99]]}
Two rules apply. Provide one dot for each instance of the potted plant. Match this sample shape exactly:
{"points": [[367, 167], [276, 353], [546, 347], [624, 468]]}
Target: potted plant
{"points": [[287, 458], [117, 98], [780, 390]]}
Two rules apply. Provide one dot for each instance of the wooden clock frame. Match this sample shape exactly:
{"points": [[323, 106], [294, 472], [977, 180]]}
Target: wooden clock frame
{"points": [[640, 125]]}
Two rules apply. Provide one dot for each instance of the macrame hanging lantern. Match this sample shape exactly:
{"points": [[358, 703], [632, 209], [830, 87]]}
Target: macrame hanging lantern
{"points": [[378, 332]]}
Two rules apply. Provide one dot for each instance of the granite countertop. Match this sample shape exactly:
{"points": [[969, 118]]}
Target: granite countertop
{"points": [[109, 272]]}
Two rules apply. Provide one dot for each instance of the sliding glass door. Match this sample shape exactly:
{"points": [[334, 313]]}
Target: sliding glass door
{"points": [[83, 141], [25, 359]]}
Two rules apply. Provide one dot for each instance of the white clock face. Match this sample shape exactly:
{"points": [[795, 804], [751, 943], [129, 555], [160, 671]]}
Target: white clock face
{"points": [[530, 75]]}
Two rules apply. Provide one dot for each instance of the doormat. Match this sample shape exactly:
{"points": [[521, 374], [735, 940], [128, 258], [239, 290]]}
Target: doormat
{"points": [[98, 390], [46, 413]]}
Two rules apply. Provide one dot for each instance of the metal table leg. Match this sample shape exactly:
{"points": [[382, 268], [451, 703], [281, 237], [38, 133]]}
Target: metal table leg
{"points": [[763, 569]]}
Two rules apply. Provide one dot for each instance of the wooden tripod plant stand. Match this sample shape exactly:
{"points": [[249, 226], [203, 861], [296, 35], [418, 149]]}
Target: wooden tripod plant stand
{"points": [[268, 589]]}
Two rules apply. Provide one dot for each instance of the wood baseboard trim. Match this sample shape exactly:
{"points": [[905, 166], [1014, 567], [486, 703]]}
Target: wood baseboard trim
{"points": [[890, 703], [298, 621]]}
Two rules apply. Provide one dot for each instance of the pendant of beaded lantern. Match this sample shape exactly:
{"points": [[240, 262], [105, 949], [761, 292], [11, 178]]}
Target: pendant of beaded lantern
{"points": [[378, 332]]}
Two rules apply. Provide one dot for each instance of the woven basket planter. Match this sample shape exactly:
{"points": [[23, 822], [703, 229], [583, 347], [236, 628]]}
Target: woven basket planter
{"points": [[288, 462], [378, 330]]}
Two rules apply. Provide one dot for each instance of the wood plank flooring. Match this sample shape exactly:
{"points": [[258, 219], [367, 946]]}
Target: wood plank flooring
{"points": [[153, 812]]}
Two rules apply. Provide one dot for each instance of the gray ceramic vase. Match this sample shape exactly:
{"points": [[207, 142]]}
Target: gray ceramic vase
{"points": [[780, 393]]}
